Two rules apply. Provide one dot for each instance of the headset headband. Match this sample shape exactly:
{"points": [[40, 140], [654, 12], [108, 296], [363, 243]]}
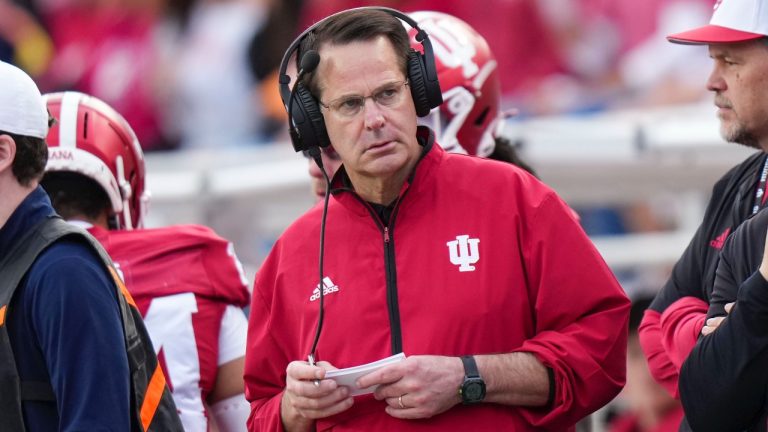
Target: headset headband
{"points": [[421, 37]]}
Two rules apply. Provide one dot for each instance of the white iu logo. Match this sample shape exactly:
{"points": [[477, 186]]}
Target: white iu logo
{"points": [[464, 252]]}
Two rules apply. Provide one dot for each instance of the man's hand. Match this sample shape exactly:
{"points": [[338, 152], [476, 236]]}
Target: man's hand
{"points": [[714, 323], [303, 402], [417, 387]]}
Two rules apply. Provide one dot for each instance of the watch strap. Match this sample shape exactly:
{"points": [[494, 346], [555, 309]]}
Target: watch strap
{"points": [[470, 367]]}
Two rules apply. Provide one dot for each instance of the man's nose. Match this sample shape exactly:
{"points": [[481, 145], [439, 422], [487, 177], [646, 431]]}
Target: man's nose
{"points": [[715, 82], [374, 115]]}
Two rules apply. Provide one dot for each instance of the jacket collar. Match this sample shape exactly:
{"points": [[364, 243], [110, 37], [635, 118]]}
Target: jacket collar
{"points": [[35, 207], [431, 156]]}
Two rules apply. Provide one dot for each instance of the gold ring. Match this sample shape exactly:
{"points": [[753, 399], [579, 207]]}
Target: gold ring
{"points": [[400, 402]]}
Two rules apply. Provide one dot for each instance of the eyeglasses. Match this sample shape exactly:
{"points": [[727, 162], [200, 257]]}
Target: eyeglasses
{"points": [[388, 96], [329, 152]]}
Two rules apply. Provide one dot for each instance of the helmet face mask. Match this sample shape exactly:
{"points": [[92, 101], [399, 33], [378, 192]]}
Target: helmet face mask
{"points": [[92, 139], [468, 119]]}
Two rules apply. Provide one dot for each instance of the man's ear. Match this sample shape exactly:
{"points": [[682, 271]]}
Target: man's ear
{"points": [[7, 152]]}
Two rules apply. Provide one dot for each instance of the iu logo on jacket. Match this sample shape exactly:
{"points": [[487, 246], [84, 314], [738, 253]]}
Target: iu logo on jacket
{"points": [[463, 252]]}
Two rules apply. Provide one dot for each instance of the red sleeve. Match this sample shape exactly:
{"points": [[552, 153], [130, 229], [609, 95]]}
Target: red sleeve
{"points": [[262, 374], [265, 358], [681, 324], [668, 338], [661, 367], [265, 415], [581, 316]]}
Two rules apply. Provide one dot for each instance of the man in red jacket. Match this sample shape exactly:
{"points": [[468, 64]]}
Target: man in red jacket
{"points": [[478, 272]]}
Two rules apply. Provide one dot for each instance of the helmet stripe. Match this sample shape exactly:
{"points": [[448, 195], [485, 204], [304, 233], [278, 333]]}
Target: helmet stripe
{"points": [[68, 120], [483, 74]]}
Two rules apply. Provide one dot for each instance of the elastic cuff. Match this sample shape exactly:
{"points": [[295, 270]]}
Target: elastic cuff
{"points": [[551, 397]]}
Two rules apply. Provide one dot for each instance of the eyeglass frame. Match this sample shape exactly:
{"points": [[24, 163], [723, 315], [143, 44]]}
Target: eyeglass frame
{"points": [[333, 105]]}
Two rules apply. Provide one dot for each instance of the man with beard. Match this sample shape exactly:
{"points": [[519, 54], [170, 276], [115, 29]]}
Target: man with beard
{"points": [[737, 43]]}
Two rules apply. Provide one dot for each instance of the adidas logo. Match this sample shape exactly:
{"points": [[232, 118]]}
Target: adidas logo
{"points": [[328, 288], [718, 242]]}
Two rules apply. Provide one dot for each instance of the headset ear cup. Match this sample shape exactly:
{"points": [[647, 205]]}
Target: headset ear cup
{"points": [[315, 135], [418, 85]]}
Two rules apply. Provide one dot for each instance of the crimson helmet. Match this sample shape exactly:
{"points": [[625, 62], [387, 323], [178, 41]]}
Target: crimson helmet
{"points": [[469, 118], [92, 139]]}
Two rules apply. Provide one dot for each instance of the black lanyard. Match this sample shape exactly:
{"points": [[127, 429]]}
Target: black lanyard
{"points": [[760, 194]]}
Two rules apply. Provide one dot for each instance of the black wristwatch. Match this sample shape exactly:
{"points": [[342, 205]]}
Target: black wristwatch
{"points": [[472, 390]]}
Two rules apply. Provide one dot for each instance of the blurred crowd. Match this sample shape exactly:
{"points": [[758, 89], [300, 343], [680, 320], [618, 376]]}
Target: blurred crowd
{"points": [[202, 73], [191, 74]]}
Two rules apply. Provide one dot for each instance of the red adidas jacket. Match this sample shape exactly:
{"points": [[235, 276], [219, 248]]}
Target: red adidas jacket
{"points": [[535, 283]]}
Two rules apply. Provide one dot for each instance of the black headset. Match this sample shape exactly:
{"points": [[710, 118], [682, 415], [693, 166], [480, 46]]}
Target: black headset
{"points": [[306, 123]]}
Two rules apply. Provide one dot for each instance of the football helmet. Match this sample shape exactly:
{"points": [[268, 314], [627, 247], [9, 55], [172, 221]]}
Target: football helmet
{"points": [[469, 119], [91, 138]]}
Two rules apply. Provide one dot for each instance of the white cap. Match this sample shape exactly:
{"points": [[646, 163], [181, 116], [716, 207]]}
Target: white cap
{"points": [[22, 110], [733, 21]]}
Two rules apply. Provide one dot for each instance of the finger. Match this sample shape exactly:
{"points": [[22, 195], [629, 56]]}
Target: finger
{"points": [[393, 390], [334, 409], [406, 413], [729, 306], [321, 401], [301, 370], [398, 402], [302, 381], [337, 401], [309, 388], [707, 330], [385, 375], [395, 402], [714, 322], [327, 366]]}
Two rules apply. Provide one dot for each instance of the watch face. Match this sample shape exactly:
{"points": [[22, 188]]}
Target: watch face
{"points": [[473, 390]]}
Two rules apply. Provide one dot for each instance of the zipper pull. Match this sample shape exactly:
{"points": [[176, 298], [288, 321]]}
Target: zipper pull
{"points": [[386, 234]]}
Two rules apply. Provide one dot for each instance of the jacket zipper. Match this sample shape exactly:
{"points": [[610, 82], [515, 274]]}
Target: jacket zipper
{"points": [[390, 271], [393, 306], [392, 301]]}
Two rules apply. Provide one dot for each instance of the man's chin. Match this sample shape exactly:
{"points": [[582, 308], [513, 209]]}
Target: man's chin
{"points": [[740, 136]]}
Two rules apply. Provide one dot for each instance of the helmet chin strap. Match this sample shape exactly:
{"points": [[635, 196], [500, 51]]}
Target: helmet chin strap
{"points": [[113, 222]]}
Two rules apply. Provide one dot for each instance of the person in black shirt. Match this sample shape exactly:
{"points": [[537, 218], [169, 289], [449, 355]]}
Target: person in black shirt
{"points": [[723, 381], [711, 376]]}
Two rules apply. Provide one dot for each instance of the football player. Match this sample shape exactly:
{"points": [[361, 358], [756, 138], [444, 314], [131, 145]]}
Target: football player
{"points": [[186, 280]]}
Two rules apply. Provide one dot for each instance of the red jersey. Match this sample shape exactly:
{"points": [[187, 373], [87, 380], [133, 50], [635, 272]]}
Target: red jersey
{"points": [[189, 287]]}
